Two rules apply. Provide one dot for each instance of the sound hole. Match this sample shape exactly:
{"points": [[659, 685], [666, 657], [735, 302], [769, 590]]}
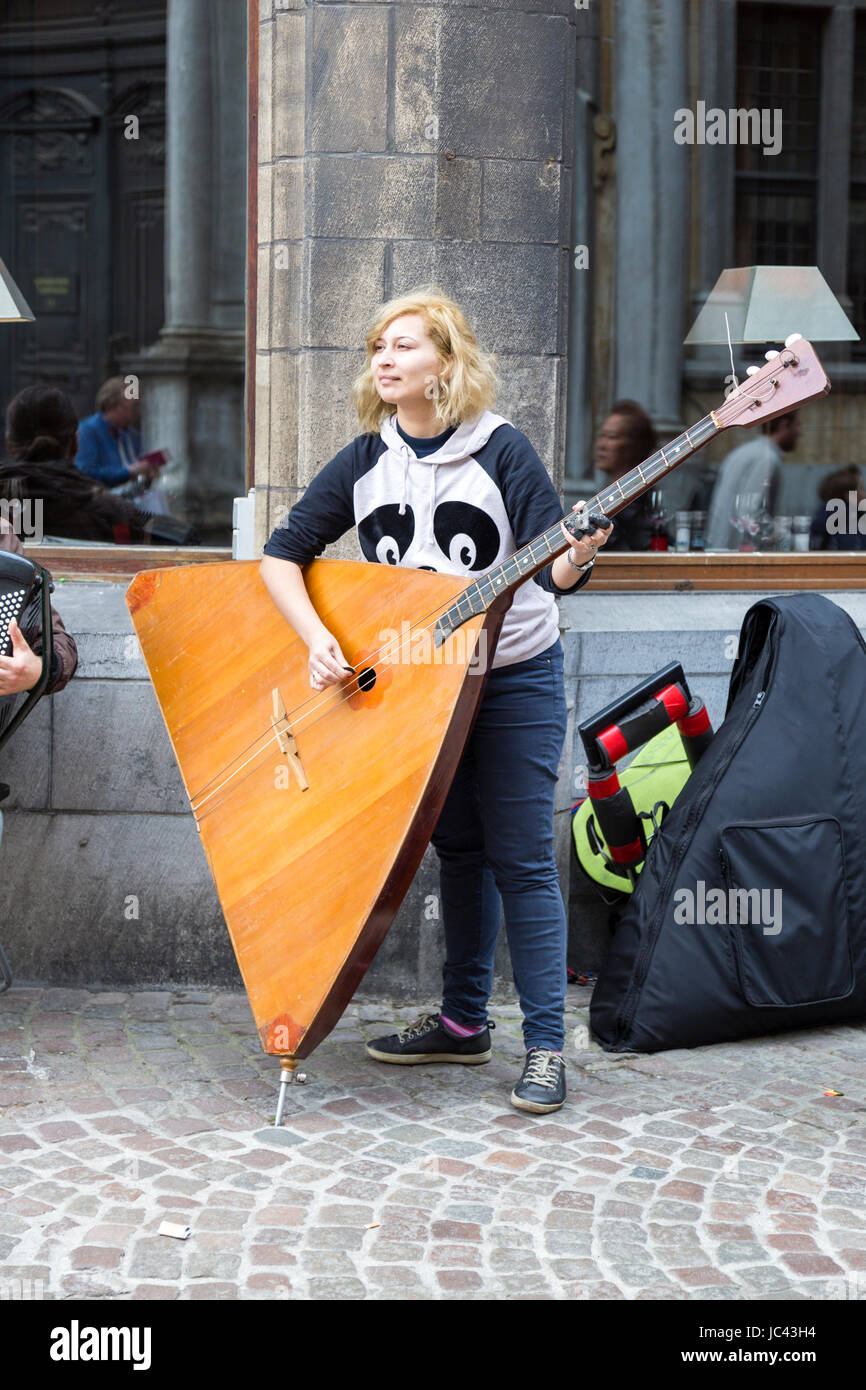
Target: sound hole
{"points": [[366, 679]]}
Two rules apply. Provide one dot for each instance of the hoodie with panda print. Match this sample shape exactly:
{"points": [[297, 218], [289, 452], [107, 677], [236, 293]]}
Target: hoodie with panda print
{"points": [[462, 509]]}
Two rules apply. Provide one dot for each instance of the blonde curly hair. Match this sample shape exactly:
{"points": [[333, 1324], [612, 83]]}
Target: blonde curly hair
{"points": [[471, 383]]}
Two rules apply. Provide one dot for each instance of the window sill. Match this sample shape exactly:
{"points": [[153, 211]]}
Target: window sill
{"points": [[719, 570], [118, 562]]}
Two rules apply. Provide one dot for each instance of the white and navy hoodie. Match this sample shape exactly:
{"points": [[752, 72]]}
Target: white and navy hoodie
{"points": [[474, 498]]}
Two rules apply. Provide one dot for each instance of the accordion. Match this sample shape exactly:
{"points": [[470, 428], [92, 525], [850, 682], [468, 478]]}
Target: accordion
{"points": [[25, 599]]}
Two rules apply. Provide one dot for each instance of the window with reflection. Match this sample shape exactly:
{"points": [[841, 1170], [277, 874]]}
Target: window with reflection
{"points": [[122, 156], [775, 176]]}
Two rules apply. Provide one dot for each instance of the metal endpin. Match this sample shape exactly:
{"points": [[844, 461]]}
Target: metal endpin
{"points": [[287, 1069]]}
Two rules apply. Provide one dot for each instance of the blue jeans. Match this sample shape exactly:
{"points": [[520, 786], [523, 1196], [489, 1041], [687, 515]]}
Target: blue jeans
{"points": [[494, 840]]}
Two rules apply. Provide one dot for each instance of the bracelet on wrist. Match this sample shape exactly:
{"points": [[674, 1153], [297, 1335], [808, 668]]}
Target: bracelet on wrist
{"points": [[580, 568]]}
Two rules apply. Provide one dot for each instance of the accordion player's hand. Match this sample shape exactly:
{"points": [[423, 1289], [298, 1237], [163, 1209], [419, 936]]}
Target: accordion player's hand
{"points": [[22, 669]]}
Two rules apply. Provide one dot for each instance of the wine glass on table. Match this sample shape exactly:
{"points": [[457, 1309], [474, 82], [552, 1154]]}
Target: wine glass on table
{"points": [[745, 519], [658, 515]]}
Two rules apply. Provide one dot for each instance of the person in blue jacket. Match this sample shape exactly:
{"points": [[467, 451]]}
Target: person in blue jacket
{"points": [[108, 441], [437, 480]]}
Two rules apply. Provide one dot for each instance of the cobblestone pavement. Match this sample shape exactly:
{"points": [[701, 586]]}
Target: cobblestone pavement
{"points": [[722, 1172]]}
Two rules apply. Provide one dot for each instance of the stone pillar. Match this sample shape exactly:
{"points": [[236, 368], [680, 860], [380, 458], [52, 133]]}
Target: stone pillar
{"points": [[385, 163], [718, 66], [189, 166], [715, 34], [193, 377], [586, 253], [835, 150], [652, 208]]}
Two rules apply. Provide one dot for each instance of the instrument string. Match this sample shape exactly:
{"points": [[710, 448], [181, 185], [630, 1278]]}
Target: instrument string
{"points": [[320, 698], [324, 702]]}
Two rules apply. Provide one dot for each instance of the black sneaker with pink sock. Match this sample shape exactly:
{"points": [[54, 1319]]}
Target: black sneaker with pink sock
{"points": [[429, 1040]]}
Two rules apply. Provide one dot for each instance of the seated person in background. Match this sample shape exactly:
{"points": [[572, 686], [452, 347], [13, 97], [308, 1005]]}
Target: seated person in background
{"points": [[625, 439], [746, 470], [41, 441], [109, 442], [835, 524], [22, 669]]}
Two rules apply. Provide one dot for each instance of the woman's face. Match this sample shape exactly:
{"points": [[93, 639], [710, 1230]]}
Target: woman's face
{"points": [[615, 446], [405, 364]]}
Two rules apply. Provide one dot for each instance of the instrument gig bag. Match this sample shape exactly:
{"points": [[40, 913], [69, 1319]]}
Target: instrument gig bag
{"points": [[750, 913]]}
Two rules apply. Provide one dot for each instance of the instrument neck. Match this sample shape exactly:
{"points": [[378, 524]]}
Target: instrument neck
{"points": [[531, 558]]}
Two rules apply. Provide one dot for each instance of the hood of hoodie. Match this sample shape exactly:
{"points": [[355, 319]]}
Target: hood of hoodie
{"points": [[443, 512], [468, 437]]}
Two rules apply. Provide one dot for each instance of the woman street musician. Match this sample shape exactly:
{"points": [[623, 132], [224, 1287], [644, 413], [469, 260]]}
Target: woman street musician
{"points": [[437, 480]]}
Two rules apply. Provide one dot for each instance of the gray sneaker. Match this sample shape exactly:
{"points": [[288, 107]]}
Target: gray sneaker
{"points": [[541, 1088]]}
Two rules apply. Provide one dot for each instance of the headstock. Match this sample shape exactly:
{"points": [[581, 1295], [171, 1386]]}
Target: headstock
{"points": [[791, 376]]}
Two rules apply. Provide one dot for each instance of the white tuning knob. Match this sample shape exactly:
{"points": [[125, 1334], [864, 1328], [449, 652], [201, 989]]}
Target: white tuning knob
{"points": [[771, 354], [752, 371], [794, 338]]}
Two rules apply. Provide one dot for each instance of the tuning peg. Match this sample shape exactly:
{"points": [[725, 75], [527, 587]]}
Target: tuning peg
{"points": [[771, 354], [752, 371], [794, 338]]}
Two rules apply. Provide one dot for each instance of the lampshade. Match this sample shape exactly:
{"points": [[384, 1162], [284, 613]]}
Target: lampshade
{"points": [[13, 306], [766, 303]]}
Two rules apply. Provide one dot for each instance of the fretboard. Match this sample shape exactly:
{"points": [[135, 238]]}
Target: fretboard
{"points": [[531, 558]]}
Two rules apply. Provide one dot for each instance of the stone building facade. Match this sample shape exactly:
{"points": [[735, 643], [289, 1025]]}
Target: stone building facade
{"points": [[123, 132], [479, 147], [392, 153]]}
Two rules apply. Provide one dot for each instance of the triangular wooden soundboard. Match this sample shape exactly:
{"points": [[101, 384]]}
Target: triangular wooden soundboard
{"points": [[314, 808]]}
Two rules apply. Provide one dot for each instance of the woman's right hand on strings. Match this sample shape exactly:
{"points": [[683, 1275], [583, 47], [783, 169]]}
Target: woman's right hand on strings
{"points": [[327, 664]]}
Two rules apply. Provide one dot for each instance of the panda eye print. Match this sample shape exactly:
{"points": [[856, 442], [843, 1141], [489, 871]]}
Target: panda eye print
{"points": [[466, 534], [385, 535]]}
